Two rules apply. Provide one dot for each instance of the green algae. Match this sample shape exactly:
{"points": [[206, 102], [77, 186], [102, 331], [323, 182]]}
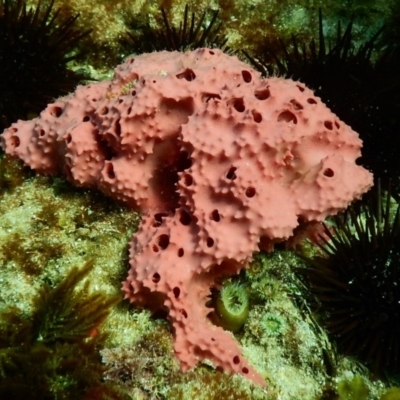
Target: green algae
{"points": [[51, 353], [12, 173]]}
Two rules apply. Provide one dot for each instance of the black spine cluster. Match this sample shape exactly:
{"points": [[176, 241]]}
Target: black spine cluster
{"points": [[355, 281], [35, 47], [192, 33], [358, 81]]}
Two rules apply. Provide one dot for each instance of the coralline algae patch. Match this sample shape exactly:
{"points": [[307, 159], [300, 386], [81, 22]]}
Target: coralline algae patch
{"points": [[46, 229]]}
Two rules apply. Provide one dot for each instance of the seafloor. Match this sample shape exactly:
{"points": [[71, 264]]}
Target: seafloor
{"points": [[48, 227]]}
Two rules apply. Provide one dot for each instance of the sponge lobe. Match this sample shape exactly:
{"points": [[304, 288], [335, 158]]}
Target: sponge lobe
{"points": [[221, 162]]}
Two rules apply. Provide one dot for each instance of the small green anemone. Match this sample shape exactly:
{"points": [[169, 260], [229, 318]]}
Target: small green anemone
{"points": [[273, 324], [232, 306]]}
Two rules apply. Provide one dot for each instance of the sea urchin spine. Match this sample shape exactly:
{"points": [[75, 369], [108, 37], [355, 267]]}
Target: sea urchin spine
{"points": [[356, 281]]}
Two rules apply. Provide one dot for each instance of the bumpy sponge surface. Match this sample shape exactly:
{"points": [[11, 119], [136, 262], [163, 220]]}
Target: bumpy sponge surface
{"points": [[221, 162]]}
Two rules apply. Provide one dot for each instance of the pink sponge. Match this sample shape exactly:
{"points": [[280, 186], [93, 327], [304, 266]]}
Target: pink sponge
{"points": [[221, 162]]}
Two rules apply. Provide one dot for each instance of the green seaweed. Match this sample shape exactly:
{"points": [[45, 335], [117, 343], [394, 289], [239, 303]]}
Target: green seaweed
{"points": [[12, 173], [54, 352]]}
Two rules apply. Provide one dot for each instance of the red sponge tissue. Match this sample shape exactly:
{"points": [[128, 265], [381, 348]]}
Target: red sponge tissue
{"points": [[221, 162]]}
